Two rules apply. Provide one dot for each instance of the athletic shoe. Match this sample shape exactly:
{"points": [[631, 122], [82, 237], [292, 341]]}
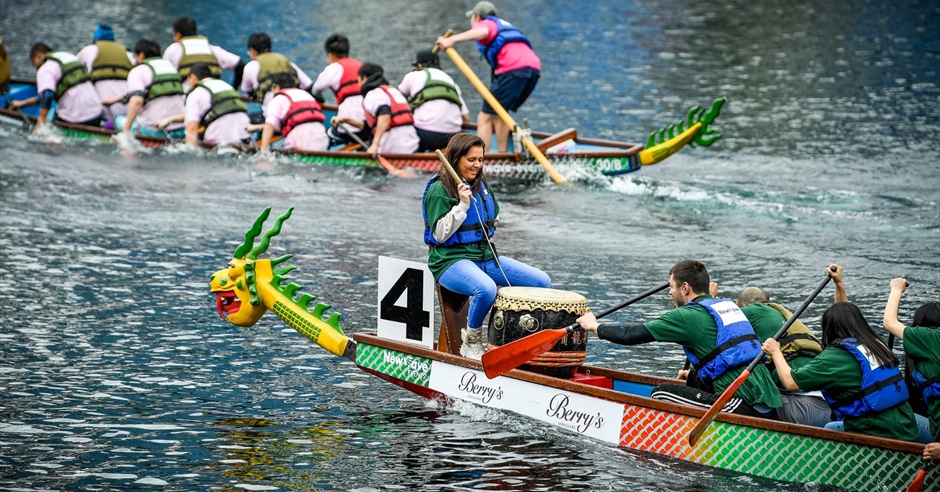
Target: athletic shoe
{"points": [[472, 347]]}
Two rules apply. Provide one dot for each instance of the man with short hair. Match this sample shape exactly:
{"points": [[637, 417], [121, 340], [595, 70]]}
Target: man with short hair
{"points": [[436, 100], [388, 114], [342, 77], [189, 48], [214, 106], [516, 68], [296, 114], [258, 76], [109, 63], [154, 92], [717, 339], [62, 79], [799, 347]]}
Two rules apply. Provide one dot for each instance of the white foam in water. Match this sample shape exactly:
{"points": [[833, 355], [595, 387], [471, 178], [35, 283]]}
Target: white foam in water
{"points": [[248, 486], [152, 481]]}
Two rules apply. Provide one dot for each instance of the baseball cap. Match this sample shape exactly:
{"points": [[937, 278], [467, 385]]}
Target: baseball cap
{"points": [[482, 9], [426, 57], [104, 33]]}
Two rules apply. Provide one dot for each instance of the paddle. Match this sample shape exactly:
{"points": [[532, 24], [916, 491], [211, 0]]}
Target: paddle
{"points": [[918, 484], [26, 123], [512, 355], [503, 115], [716, 407], [437, 47], [401, 173], [107, 110]]}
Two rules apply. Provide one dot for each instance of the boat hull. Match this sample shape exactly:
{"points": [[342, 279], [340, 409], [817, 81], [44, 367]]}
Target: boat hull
{"points": [[775, 450]]}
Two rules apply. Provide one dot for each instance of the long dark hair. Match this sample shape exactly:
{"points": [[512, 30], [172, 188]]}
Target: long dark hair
{"points": [[459, 145], [928, 315], [845, 320]]}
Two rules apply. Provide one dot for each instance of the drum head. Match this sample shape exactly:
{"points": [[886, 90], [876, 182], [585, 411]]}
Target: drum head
{"points": [[532, 298]]}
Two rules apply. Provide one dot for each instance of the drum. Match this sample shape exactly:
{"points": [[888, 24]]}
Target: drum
{"points": [[522, 311]]}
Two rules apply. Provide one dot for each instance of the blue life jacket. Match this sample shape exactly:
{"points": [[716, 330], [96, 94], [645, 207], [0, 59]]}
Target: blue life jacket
{"points": [[929, 388], [737, 344], [505, 33], [471, 230], [882, 387]]}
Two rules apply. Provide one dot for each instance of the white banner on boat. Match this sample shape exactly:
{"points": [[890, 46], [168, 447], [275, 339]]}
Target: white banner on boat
{"points": [[406, 302], [593, 417]]}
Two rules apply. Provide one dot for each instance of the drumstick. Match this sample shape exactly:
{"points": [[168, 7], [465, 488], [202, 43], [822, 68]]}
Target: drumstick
{"points": [[450, 170]]}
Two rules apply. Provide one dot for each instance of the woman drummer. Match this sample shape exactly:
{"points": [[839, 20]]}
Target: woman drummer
{"points": [[851, 372], [459, 221]]}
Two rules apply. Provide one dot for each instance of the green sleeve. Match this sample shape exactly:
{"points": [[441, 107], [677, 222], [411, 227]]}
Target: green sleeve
{"points": [[922, 343], [438, 203], [815, 375], [670, 327]]}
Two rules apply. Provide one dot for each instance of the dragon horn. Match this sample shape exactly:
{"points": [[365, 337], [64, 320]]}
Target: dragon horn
{"points": [[251, 235], [266, 239]]}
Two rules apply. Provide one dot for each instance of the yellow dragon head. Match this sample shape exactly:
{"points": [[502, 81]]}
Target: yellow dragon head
{"points": [[236, 287]]}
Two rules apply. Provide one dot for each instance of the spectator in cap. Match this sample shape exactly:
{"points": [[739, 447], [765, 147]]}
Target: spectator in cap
{"points": [[516, 68], [436, 101], [109, 63]]}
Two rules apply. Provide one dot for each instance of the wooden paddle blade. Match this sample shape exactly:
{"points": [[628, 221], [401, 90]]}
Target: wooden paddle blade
{"points": [[394, 171], [512, 355], [713, 412], [918, 484]]}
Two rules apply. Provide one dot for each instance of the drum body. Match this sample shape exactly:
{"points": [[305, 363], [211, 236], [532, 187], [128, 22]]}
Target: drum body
{"points": [[522, 311]]}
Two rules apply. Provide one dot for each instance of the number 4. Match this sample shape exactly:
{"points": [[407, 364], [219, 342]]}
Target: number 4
{"points": [[413, 314]]}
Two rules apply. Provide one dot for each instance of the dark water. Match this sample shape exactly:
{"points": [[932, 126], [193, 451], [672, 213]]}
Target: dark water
{"points": [[116, 372]]}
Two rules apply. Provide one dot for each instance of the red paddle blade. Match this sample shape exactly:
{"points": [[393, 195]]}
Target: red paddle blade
{"points": [[918, 484], [713, 412], [512, 355], [401, 173]]}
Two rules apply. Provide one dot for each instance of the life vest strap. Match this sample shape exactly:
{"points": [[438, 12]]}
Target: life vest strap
{"points": [[848, 400], [796, 336], [721, 348], [929, 382], [473, 227]]}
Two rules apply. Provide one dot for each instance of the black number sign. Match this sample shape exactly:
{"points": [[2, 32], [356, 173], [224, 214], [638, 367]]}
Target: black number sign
{"points": [[413, 314]]}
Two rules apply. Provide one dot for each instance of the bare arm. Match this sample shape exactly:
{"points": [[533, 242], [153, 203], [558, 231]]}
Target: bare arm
{"points": [[133, 107], [890, 321], [192, 134], [469, 35], [836, 275], [772, 348], [266, 135], [381, 125], [43, 114]]}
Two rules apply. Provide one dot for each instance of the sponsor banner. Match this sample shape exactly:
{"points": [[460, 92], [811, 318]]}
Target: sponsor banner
{"points": [[590, 416], [406, 367]]}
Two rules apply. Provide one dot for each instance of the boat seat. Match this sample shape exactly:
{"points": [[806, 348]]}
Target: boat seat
{"points": [[454, 308], [553, 140]]}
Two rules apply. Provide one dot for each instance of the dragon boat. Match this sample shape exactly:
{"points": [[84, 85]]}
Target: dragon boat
{"points": [[608, 405], [565, 149]]}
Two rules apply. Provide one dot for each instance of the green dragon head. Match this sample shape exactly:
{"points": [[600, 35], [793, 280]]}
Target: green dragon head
{"points": [[236, 287]]}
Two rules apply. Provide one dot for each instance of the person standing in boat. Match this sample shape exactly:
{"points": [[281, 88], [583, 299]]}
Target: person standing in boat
{"points": [[857, 374], [62, 79], [154, 92], [516, 68], [438, 106], [459, 221], [259, 73], [799, 347], [342, 77], [109, 63], [189, 48], [214, 107], [387, 114], [296, 114], [716, 337], [922, 346]]}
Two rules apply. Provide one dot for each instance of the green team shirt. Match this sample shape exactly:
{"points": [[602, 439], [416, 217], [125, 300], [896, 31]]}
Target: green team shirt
{"points": [[923, 344], [694, 327], [437, 203], [838, 372], [767, 321]]}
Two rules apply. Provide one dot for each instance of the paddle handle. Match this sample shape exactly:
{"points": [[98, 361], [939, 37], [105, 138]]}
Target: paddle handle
{"points": [[446, 164], [437, 47], [624, 304]]}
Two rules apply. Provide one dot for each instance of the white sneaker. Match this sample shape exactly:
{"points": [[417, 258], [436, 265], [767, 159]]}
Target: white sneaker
{"points": [[472, 347]]}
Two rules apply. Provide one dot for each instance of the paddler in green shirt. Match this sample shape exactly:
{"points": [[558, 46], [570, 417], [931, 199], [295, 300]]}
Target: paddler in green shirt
{"points": [[922, 345], [694, 325], [799, 347], [848, 372]]}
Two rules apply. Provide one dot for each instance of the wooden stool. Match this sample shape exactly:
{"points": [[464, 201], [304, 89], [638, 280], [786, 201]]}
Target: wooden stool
{"points": [[454, 308]]}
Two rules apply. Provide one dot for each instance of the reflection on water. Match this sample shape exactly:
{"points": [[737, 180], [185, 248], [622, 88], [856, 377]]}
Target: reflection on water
{"points": [[116, 373]]}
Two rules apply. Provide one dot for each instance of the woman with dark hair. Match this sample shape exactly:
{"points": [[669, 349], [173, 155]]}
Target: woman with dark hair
{"points": [[459, 221], [922, 347], [856, 373]]}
